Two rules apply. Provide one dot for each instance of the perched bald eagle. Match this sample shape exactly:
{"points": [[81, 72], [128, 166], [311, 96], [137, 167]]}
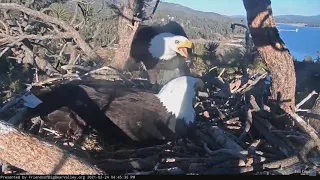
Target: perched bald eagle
{"points": [[119, 113], [162, 47]]}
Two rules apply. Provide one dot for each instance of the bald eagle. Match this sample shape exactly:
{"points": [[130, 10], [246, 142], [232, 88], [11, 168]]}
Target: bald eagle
{"points": [[117, 112], [162, 47]]}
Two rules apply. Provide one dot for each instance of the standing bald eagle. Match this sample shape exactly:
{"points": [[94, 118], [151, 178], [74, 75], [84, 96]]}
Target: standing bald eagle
{"points": [[162, 47], [119, 113]]}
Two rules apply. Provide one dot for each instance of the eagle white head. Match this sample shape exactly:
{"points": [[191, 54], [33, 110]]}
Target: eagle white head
{"points": [[178, 95], [165, 46]]}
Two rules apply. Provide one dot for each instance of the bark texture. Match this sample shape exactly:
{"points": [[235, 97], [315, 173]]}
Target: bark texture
{"points": [[38, 157], [272, 49], [315, 116], [126, 33]]}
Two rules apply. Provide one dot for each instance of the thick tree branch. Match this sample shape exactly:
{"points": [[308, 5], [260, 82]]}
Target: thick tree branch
{"points": [[38, 157], [33, 36]]}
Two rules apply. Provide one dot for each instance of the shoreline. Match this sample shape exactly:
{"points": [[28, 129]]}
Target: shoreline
{"points": [[298, 25]]}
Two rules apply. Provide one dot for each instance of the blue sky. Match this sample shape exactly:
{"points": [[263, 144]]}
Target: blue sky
{"points": [[235, 7]]}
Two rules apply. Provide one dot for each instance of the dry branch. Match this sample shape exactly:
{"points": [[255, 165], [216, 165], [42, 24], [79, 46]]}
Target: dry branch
{"points": [[248, 124], [25, 151], [305, 100], [116, 166], [32, 36], [220, 136], [52, 20], [307, 129], [262, 125], [41, 63]]}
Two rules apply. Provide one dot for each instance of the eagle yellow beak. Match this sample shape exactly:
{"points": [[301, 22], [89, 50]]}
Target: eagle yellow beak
{"points": [[182, 48]]}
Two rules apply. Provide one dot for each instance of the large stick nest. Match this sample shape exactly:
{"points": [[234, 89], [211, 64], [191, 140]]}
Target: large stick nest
{"points": [[238, 137]]}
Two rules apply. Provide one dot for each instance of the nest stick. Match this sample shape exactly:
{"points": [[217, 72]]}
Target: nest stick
{"points": [[248, 125], [307, 129], [220, 136], [305, 100]]}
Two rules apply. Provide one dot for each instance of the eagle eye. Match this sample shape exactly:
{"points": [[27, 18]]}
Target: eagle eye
{"points": [[177, 41]]}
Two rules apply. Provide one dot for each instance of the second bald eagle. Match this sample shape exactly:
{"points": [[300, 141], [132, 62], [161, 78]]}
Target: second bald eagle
{"points": [[161, 47]]}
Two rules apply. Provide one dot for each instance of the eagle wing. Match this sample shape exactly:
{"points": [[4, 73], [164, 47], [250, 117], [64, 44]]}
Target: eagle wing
{"points": [[174, 28]]}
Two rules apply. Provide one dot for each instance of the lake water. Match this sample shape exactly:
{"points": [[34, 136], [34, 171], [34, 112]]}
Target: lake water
{"points": [[302, 43]]}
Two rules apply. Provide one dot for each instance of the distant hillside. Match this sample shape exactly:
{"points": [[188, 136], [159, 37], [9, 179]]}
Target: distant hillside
{"points": [[308, 20], [291, 19], [197, 24], [176, 8]]}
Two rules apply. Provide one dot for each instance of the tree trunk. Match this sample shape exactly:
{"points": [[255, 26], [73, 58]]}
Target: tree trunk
{"points": [[125, 35], [38, 157], [272, 49]]}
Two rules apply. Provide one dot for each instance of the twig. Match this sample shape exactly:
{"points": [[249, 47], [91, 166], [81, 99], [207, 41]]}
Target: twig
{"points": [[305, 99], [221, 72], [303, 110], [4, 51], [37, 37], [112, 41], [112, 69], [142, 151], [68, 67], [248, 85], [282, 163], [74, 15], [252, 148], [51, 131], [63, 49]]}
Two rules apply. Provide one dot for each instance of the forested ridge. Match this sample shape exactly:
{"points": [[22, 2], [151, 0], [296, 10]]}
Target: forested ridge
{"points": [[102, 20], [312, 21], [197, 24]]}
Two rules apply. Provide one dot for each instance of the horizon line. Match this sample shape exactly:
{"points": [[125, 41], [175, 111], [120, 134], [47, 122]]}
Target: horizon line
{"points": [[236, 14]]}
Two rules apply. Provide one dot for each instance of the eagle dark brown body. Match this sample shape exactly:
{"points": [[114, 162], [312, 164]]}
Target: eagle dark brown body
{"points": [[116, 112]]}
